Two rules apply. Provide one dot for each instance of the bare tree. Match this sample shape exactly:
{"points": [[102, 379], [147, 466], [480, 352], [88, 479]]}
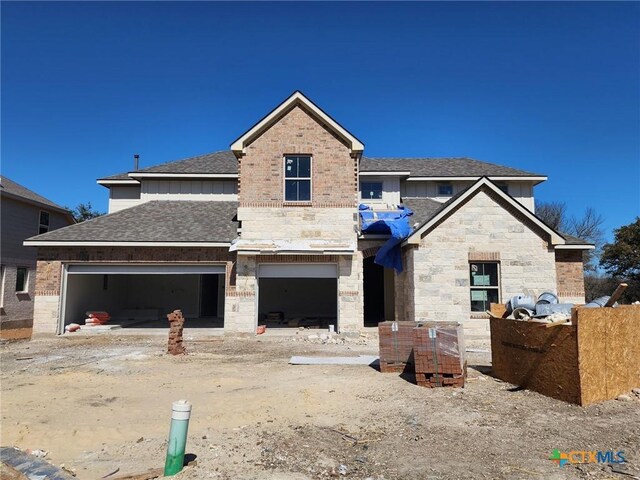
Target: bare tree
{"points": [[587, 227], [552, 213]]}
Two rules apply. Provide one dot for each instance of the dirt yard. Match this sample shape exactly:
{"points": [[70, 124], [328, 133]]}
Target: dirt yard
{"points": [[103, 402]]}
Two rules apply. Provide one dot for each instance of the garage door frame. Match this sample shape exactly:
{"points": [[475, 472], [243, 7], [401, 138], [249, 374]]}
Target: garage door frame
{"points": [[87, 268], [294, 270]]}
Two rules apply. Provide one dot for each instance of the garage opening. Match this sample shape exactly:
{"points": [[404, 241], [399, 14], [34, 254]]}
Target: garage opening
{"points": [[378, 286], [142, 296], [298, 295]]}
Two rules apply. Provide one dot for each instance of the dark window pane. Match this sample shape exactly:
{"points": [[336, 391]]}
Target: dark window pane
{"points": [[43, 229], [304, 190], [371, 190], [304, 167], [290, 167], [445, 189], [44, 218], [491, 272], [21, 279], [291, 190], [482, 297]]}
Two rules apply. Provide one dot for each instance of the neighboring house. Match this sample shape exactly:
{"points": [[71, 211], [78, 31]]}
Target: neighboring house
{"points": [[269, 232], [23, 213]]}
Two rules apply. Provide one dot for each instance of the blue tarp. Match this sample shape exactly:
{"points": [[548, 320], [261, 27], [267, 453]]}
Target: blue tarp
{"points": [[396, 223]]}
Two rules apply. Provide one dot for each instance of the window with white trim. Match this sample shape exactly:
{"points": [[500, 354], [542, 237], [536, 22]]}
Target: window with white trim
{"points": [[297, 178], [44, 222], [445, 189], [485, 285], [371, 190], [22, 279]]}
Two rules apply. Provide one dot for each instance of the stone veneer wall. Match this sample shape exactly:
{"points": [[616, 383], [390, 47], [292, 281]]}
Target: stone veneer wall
{"points": [[240, 305], [570, 273], [481, 229], [51, 259]]}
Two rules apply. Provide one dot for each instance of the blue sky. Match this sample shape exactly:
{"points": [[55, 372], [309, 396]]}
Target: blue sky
{"points": [[552, 88]]}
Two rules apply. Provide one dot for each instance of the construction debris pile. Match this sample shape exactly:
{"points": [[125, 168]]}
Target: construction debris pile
{"points": [[547, 308], [433, 351], [93, 319], [588, 358]]}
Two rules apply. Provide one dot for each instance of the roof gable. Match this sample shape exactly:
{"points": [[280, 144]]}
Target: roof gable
{"points": [[15, 190], [462, 197], [296, 99]]}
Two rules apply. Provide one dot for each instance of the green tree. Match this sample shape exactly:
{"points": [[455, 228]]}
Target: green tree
{"points": [[621, 259], [84, 211]]}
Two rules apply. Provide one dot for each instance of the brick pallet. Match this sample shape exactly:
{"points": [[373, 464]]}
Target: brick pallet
{"points": [[438, 352], [396, 346]]}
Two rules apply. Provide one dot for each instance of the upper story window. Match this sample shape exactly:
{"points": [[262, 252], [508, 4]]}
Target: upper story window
{"points": [[504, 187], [371, 190], [445, 189], [297, 178], [44, 222]]}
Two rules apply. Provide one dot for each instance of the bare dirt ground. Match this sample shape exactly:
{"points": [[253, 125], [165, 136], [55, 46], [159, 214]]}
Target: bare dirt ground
{"points": [[103, 402]]}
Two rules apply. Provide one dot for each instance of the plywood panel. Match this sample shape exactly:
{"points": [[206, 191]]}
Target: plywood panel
{"points": [[537, 358], [609, 346]]}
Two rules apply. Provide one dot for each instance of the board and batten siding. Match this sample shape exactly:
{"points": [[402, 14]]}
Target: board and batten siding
{"points": [[519, 190], [125, 196]]}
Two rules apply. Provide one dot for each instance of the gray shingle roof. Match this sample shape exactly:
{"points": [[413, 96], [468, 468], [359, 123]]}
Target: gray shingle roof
{"points": [[10, 187], [440, 167], [571, 240], [218, 162], [423, 209], [156, 221]]}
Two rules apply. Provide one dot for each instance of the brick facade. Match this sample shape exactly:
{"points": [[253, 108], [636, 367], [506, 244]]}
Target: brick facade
{"points": [[261, 168], [570, 274], [48, 282]]}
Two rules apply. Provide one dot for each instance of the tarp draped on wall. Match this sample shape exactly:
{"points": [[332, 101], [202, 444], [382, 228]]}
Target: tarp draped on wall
{"points": [[395, 222]]}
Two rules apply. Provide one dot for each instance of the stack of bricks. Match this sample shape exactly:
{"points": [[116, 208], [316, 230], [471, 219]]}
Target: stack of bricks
{"points": [[396, 346], [176, 325], [438, 350]]}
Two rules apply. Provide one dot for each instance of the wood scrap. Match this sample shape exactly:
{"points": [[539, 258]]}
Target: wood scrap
{"points": [[148, 475], [113, 472], [555, 324], [616, 295]]}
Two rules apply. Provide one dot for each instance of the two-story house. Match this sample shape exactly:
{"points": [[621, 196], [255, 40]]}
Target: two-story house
{"points": [[269, 232], [23, 214]]}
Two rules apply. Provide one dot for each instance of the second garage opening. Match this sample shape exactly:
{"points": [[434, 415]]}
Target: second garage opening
{"points": [[298, 295]]}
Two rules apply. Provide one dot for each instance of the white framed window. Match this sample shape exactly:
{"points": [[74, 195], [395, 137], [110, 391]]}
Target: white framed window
{"points": [[445, 189], [484, 285], [371, 190], [297, 178], [44, 222], [22, 279]]}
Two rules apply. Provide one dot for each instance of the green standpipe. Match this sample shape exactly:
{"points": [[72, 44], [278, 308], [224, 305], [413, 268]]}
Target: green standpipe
{"points": [[180, 413]]}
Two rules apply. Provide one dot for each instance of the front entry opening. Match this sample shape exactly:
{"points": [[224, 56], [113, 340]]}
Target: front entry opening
{"points": [[378, 293], [298, 302]]}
